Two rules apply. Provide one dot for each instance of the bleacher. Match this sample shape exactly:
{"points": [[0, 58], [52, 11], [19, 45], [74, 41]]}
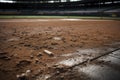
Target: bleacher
{"points": [[83, 7]]}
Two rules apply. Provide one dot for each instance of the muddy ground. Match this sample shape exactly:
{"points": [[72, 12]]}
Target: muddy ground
{"points": [[23, 41]]}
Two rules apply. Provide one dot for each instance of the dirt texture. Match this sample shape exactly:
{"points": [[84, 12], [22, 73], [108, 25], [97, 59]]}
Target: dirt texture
{"points": [[22, 44]]}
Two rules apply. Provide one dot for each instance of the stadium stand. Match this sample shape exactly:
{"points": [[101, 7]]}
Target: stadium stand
{"points": [[61, 7]]}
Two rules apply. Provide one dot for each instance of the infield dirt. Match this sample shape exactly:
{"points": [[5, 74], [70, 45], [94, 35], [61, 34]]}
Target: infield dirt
{"points": [[23, 41]]}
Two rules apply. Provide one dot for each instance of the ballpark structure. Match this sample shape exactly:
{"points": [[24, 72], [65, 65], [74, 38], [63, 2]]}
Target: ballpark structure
{"points": [[61, 7]]}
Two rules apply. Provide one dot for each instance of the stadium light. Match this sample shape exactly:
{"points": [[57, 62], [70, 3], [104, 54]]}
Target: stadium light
{"points": [[7, 1]]}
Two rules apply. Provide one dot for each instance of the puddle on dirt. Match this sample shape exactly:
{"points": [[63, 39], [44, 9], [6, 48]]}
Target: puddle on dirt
{"points": [[113, 58], [72, 61], [97, 72], [82, 55], [106, 71], [116, 54]]}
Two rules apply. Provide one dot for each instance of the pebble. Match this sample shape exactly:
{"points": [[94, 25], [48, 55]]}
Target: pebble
{"points": [[57, 38], [23, 63], [39, 54], [48, 52]]}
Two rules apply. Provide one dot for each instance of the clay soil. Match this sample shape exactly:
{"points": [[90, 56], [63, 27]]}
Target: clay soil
{"points": [[22, 44]]}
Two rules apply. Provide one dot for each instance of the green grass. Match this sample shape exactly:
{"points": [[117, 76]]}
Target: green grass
{"points": [[28, 17], [55, 17]]}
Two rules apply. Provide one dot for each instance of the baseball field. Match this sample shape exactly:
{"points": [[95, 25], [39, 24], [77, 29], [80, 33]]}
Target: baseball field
{"points": [[24, 42]]}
